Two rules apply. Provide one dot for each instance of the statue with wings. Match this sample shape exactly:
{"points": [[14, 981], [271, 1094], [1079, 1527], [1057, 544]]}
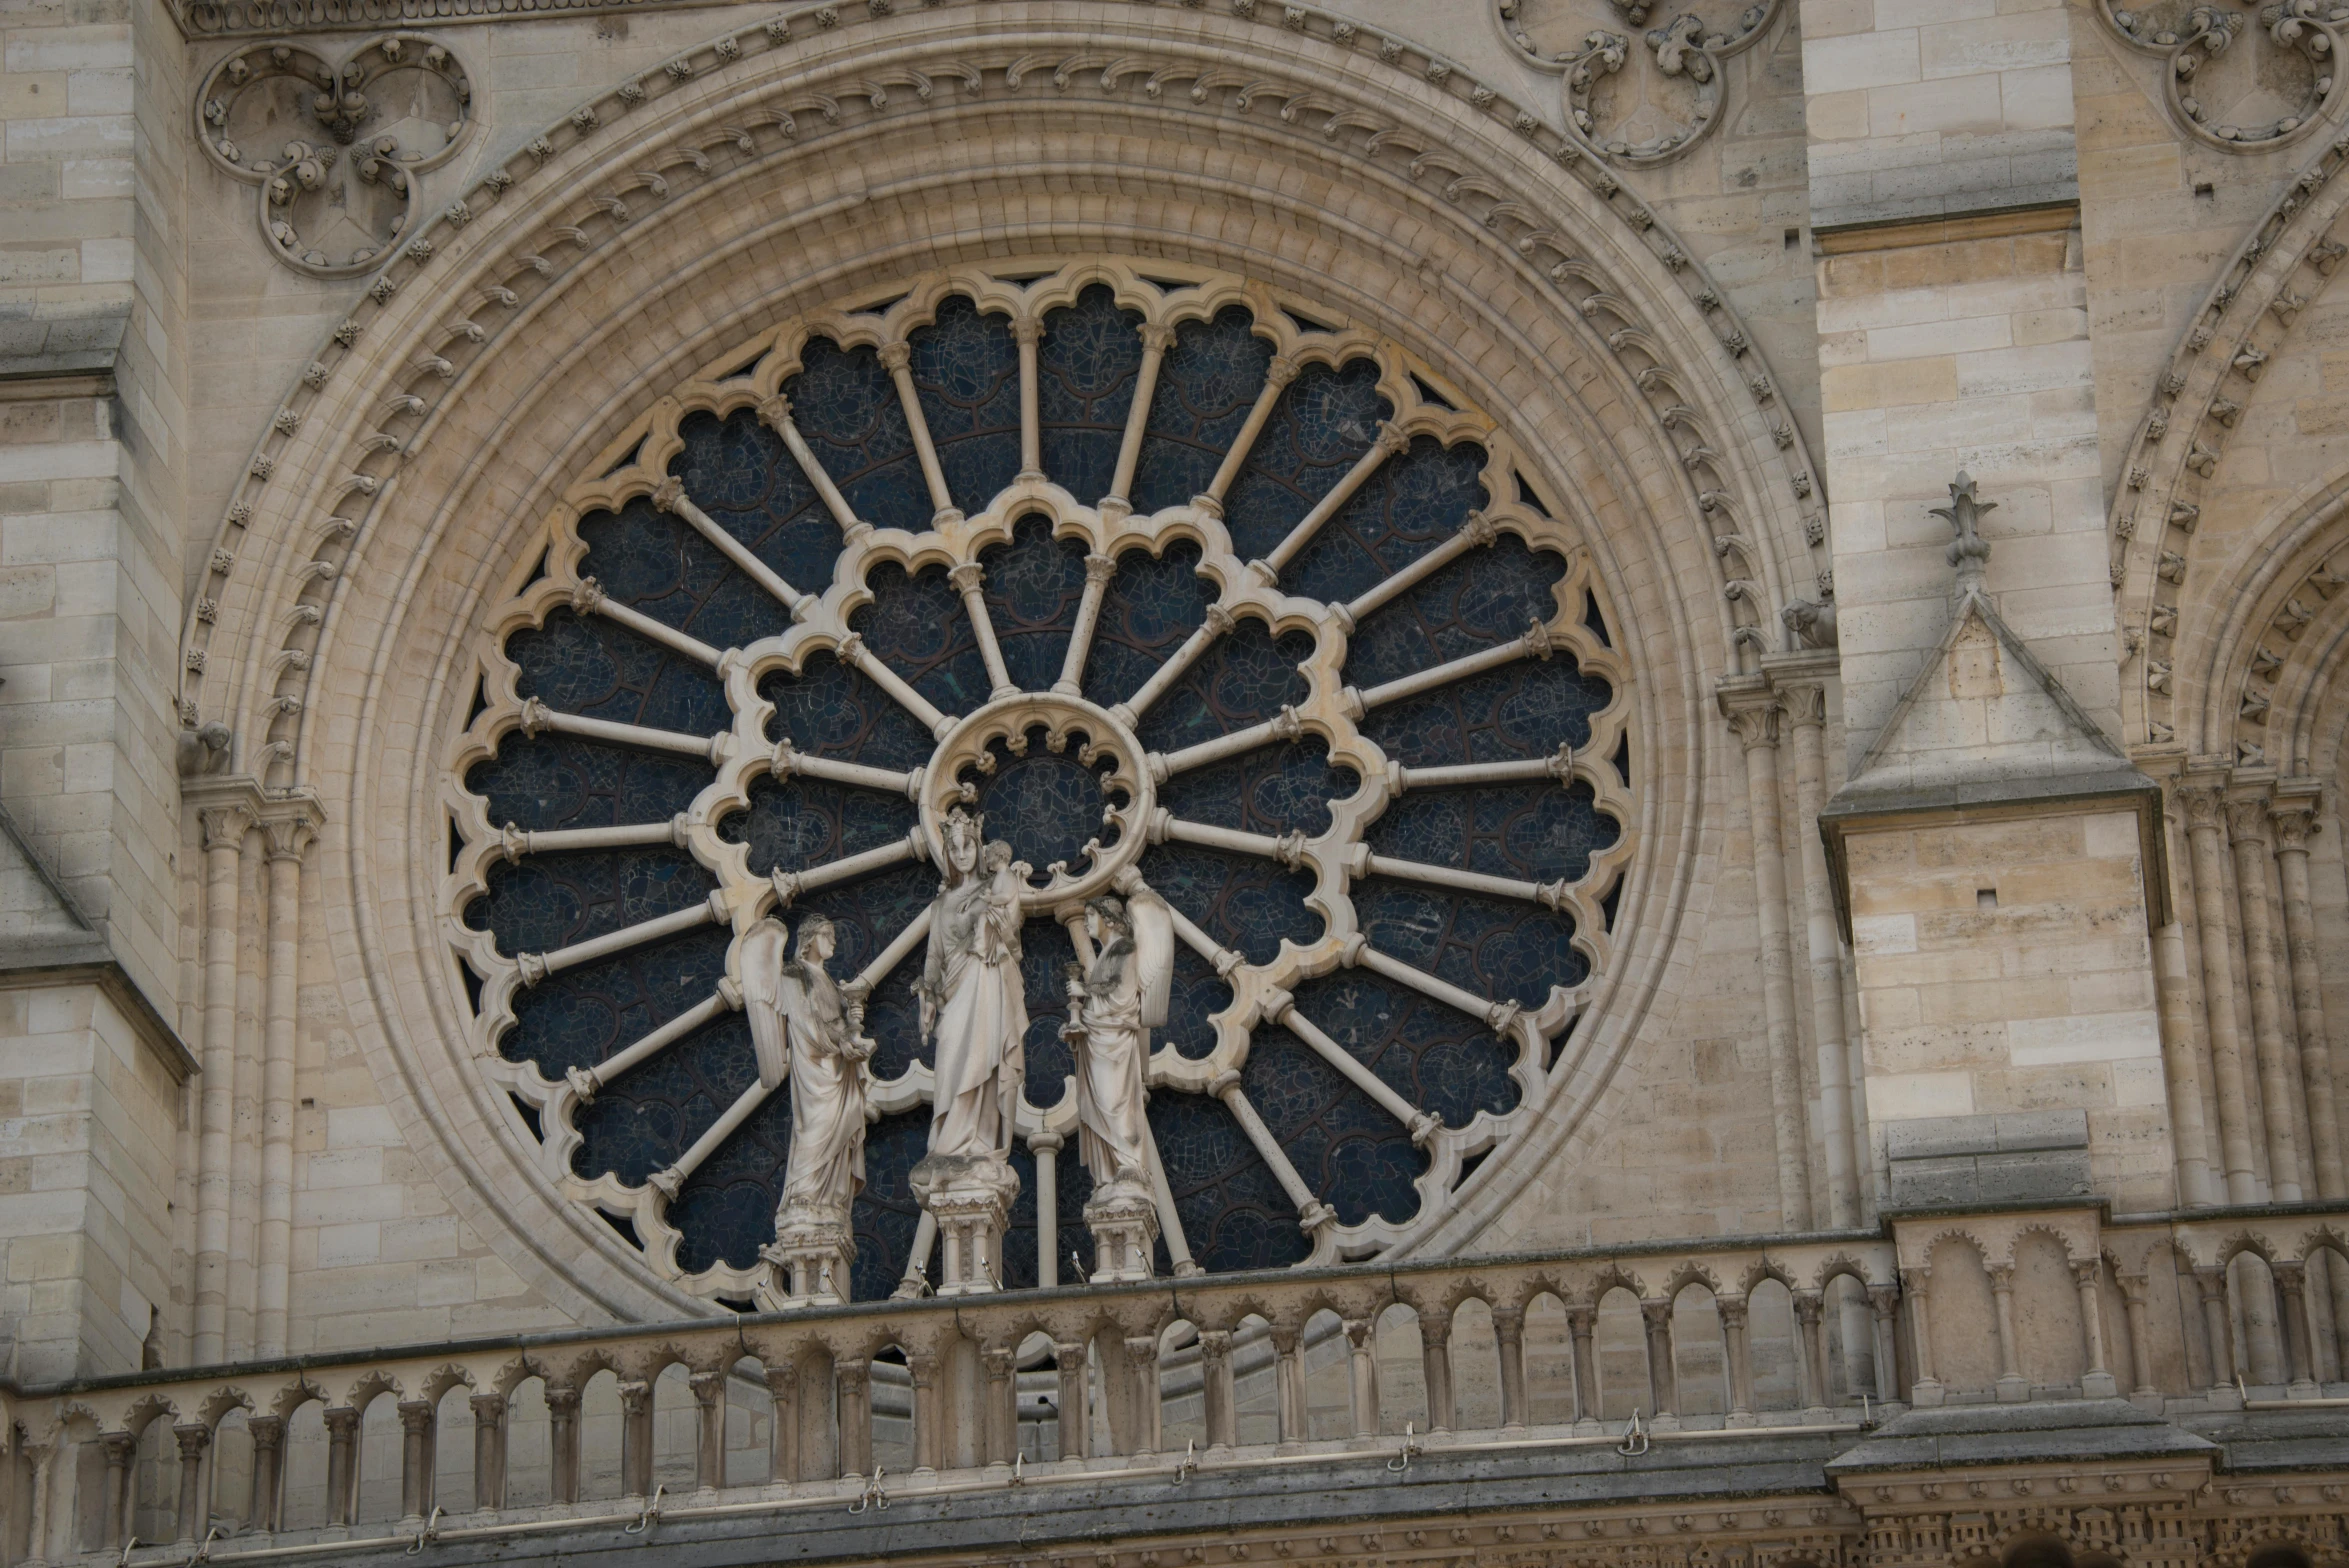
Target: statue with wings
{"points": [[803, 1030]]}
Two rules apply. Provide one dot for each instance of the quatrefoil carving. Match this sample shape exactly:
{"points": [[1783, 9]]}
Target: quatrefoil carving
{"points": [[2244, 76], [334, 148], [1643, 97]]}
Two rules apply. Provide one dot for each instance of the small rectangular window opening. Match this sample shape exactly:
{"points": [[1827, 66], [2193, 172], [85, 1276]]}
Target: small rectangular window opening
{"points": [[1985, 898], [1794, 237]]}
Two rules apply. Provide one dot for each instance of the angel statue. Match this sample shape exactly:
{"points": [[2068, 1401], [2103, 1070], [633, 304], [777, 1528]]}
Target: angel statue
{"points": [[1114, 1003], [802, 1029]]}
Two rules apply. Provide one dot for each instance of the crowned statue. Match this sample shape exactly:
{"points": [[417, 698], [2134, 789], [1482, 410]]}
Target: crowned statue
{"points": [[803, 1029], [1114, 1002], [974, 1008]]}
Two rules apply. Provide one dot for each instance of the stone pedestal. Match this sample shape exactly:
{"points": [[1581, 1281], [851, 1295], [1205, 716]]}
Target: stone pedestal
{"points": [[1124, 1222], [971, 1201], [811, 1254]]}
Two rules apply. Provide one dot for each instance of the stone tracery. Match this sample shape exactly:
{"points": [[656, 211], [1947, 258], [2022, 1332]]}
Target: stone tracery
{"points": [[853, 458]]}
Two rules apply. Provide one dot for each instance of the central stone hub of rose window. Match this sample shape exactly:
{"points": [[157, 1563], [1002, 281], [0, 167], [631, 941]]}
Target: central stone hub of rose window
{"points": [[1057, 779]]}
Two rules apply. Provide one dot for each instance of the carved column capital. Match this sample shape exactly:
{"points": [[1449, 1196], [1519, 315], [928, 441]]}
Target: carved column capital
{"points": [[896, 356], [1805, 702], [1752, 708], [2293, 821], [2200, 801], [2247, 818], [225, 826]]}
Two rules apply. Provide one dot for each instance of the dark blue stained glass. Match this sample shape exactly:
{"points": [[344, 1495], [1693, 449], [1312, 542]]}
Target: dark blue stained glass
{"points": [[1534, 831], [1245, 677], [580, 1017], [867, 914], [1244, 903], [1320, 428], [561, 781], [1440, 1060], [656, 563], [1501, 948], [659, 1107], [1484, 598], [802, 823], [1347, 1149], [726, 1208], [1045, 955], [598, 669], [1045, 804], [846, 405], [1415, 501], [1074, 1188], [1207, 382], [1086, 365], [1277, 789], [1235, 1214], [832, 709], [546, 901], [966, 370], [1033, 586], [885, 1213], [1149, 607], [1521, 710], [1197, 995], [917, 627], [739, 472]]}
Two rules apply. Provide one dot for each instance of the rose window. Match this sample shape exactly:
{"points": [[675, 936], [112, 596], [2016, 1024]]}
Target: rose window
{"points": [[1178, 582]]}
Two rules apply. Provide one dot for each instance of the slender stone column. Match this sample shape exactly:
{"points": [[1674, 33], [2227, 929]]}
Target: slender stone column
{"points": [[636, 1437], [244, 1122], [1070, 1360], [1925, 1389], [268, 1433], [195, 1438], [2097, 1382], [342, 1464], [1216, 1391], [289, 839], [122, 1451], [2278, 1087], [2293, 817], [921, 1367], [2013, 1386], [1435, 1358], [1810, 1323], [489, 1451], [2291, 1281], [999, 1423], [1741, 1366], [783, 1435], [853, 1402], [415, 1457], [709, 1446], [1362, 1363], [2203, 802], [1884, 1302], [562, 1412], [1296, 1425], [2140, 1336], [1045, 1146], [1142, 1357], [1509, 1338], [1806, 713], [1663, 1374], [1581, 1326], [2218, 1329], [2182, 1046], [224, 833], [1752, 711]]}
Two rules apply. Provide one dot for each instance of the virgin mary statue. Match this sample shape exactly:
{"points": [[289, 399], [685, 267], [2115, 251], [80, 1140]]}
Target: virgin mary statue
{"points": [[973, 1002]]}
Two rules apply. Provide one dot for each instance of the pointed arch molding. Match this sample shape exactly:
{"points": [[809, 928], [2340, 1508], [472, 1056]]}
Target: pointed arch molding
{"points": [[2177, 615], [768, 172]]}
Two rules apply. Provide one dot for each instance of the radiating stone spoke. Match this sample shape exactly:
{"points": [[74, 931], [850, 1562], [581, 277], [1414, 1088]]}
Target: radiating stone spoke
{"points": [[1156, 340], [1277, 375], [1477, 531], [1284, 725], [1098, 569], [789, 885], [1390, 441], [1288, 849], [789, 761], [587, 1082], [1312, 1213], [1366, 864], [519, 841], [899, 948], [967, 580], [588, 599], [537, 717], [1496, 1016], [1557, 765], [670, 496], [670, 1180], [1130, 711], [1536, 643], [897, 359], [775, 412], [537, 966], [1281, 1008], [854, 652]]}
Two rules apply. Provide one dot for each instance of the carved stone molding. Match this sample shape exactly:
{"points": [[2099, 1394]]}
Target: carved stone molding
{"points": [[1648, 96], [2237, 76]]}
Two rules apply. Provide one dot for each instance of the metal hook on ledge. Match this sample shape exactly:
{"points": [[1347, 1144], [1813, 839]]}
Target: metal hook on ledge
{"points": [[1635, 1438], [203, 1553], [1190, 1465], [1411, 1446], [127, 1547], [872, 1498], [429, 1532], [650, 1514]]}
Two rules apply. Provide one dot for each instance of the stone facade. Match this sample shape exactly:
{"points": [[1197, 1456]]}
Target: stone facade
{"points": [[1935, 410]]}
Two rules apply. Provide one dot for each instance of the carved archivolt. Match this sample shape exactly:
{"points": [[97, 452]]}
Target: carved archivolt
{"points": [[760, 744], [333, 148], [1646, 96], [2240, 76]]}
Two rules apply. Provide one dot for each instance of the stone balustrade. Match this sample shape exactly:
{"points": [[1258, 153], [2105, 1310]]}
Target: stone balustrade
{"points": [[1663, 1340]]}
